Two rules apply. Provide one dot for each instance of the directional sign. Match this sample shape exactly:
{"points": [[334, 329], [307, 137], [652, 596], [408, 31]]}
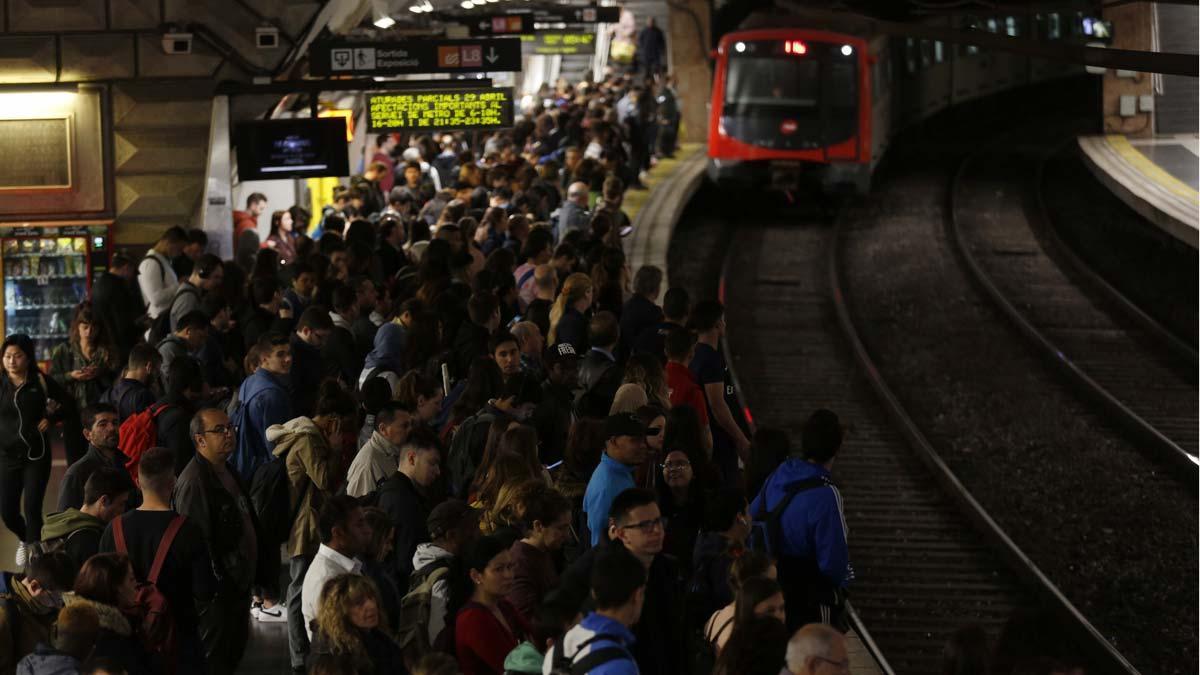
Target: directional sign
{"points": [[501, 24], [441, 110], [589, 14], [415, 56], [559, 42]]}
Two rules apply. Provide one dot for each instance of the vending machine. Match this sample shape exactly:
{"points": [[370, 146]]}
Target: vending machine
{"points": [[48, 270]]}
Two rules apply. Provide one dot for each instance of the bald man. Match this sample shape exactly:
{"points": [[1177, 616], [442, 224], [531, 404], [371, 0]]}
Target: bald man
{"points": [[817, 649], [574, 214]]}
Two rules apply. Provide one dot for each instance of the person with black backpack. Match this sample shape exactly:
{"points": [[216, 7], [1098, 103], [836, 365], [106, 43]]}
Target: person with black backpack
{"points": [[602, 641], [185, 575], [155, 276], [310, 451], [799, 520]]}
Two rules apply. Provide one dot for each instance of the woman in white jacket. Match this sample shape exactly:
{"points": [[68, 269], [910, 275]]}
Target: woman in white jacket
{"points": [[156, 278]]}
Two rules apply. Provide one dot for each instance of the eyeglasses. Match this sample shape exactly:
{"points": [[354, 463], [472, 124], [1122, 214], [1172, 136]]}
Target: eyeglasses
{"points": [[840, 665], [222, 429], [646, 526], [677, 466]]}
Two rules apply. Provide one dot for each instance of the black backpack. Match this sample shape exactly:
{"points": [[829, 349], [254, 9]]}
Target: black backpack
{"points": [[161, 327], [564, 665], [466, 449], [270, 495], [766, 532]]}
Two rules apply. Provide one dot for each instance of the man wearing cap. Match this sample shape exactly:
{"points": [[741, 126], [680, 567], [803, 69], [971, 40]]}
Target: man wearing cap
{"points": [[556, 413], [623, 452], [452, 525], [812, 557]]}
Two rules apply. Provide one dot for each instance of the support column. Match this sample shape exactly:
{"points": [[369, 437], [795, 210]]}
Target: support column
{"points": [[689, 28], [1133, 28], [216, 215]]}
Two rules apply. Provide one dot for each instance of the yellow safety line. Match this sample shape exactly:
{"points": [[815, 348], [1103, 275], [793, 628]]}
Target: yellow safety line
{"points": [[1148, 168]]}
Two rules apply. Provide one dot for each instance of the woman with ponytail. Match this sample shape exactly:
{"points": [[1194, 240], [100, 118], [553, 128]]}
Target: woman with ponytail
{"points": [[568, 322]]}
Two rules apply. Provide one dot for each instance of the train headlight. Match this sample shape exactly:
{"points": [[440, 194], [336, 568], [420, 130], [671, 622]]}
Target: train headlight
{"points": [[740, 47], [847, 50]]}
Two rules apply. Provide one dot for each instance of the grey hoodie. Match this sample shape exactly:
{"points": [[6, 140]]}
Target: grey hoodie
{"points": [[438, 606]]}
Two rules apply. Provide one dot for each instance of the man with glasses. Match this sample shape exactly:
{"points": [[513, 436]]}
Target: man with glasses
{"points": [[817, 649], [636, 524], [623, 452], [209, 493]]}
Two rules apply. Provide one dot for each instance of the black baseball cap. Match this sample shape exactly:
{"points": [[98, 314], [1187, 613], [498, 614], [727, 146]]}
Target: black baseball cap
{"points": [[626, 424], [562, 352]]}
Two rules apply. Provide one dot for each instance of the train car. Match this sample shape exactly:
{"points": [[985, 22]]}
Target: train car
{"points": [[815, 97]]}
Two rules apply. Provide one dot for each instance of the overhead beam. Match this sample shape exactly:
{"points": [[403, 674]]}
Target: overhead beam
{"points": [[1117, 59]]}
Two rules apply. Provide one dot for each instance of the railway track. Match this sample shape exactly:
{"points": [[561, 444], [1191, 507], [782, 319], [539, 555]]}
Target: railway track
{"points": [[1113, 354], [922, 571]]}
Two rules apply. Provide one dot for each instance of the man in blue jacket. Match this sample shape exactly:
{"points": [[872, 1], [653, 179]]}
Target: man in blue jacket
{"points": [[263, 400], [801, 510], [601, 643]]}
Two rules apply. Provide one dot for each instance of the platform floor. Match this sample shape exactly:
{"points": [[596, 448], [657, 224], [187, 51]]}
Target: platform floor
{"points": [[1157, 177]]}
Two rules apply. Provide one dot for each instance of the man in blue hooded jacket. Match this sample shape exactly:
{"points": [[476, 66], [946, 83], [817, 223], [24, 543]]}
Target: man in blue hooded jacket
{"points": [[801, 510], [263, 400]]}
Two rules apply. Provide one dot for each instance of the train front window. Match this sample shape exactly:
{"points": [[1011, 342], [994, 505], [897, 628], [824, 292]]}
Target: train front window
{"points": [[791, 94]]}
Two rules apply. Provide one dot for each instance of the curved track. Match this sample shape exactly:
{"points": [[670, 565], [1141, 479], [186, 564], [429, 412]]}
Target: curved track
{"points": [[921, 570], [1112, 359]]}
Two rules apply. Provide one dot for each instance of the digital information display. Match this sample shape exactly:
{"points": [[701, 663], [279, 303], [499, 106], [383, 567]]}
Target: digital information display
{"points": [[447, 109], [298, 148], [560, 43]]}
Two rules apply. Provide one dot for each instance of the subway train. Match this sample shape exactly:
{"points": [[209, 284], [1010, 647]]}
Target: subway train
{"points": [[815, 97]]}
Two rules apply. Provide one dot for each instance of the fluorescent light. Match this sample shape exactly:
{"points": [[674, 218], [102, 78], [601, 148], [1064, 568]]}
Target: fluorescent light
{"points": [[847, 50], [467, 4], [415, 9], [385, 21]]}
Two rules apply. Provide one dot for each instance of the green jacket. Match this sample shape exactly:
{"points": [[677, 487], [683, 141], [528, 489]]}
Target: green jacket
{"points": [[312, 470], [65, 522]]}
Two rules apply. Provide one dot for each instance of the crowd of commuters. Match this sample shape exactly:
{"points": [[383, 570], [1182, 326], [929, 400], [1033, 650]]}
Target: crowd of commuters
{"points": [[448, 433]]}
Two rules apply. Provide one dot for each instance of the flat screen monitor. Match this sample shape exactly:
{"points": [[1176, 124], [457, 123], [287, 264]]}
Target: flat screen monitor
{"points": [[295, 148]]}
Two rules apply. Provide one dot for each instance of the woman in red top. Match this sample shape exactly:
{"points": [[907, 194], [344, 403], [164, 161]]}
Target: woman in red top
{"points": [[488, 627]]}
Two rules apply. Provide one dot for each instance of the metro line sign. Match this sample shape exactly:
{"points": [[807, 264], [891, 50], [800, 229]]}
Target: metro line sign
{"points": [[403, 57]]}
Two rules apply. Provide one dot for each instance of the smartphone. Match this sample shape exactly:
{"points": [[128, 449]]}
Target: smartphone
{"points": [[554, 465]]}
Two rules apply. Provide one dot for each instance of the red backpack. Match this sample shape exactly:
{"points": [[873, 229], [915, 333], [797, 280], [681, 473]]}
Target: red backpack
{"points": [[155, 625], [139, 433]]}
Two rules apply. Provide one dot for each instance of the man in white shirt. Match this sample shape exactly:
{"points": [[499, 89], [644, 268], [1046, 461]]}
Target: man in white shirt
{"points": [[344, 533], [156, 277]]}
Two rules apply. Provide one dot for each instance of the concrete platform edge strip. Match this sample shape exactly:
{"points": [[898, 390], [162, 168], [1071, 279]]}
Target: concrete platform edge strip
{"points": [[1169, 211]]}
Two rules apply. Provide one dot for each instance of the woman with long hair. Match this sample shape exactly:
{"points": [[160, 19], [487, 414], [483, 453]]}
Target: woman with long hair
{"points": [[87, 363], [647, 371], [543, 517], [422, 342], [568, 323], [752, 576], [610, 276], [506, 468], [522, 440], [282, 237], [107, 584], [759, 647], [29, 401], [681, 501], [488, 627], [351, 626], [377, 550]]}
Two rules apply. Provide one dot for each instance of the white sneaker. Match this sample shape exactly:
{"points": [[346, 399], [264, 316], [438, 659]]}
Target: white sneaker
{"points": [[271, 615], [22, 556]]}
